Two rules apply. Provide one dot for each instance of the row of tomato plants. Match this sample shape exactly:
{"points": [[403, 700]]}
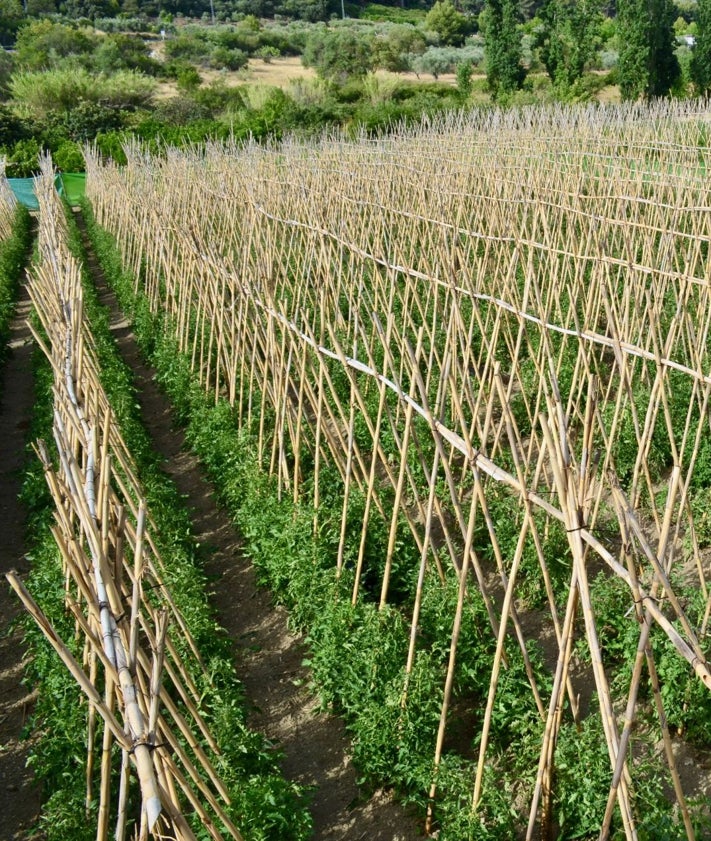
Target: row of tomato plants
{"points": [[264, 804], [13, 251], [358, 652]]}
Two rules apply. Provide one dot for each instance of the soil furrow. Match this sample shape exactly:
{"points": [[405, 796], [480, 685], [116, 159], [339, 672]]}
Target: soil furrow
{"points": [[19, 796], [268, 657]]}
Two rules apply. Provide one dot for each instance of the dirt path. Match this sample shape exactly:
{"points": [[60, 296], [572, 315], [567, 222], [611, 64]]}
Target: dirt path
{"points": [[19, 797], [269, 658]]}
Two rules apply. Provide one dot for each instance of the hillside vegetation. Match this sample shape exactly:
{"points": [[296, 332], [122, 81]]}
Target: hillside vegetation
{"points": [[103, 73]]}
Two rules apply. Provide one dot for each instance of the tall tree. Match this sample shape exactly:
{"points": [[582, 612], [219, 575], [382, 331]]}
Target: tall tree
{"points": [[648, 65], [450, 25], [504, 66], [570, 39], [701, 56], [11, 16]]}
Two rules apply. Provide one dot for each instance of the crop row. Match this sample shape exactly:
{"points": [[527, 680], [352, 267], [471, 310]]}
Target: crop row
{"points": [[14, 242], [472, 385], [199, 688]]}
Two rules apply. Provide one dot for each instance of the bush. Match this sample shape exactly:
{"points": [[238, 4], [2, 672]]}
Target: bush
{"points": [[224, 58], [392, 14], [12, 128], [68, 157], [188, 78], [180, 110], [187, 48], [338, 54], [217, 97], [86, 119], [124, 52], [23, 161], [392, 49], [41, 93], [435, 62], [43, 44]]}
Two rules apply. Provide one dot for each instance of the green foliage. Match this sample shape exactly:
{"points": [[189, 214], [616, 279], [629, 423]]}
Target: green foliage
{"points": [[648, 65], [438, 60], [464, 80], [68, 157], [124, 52], [687, 702], [42, 44], [23, 161], [701, 56], [357, 652], [392, 14], [263, 803], [87, 119], [12, 258], [504, 68], [7, 66], [11, 17], [223, 58], [12, 128], [337, 54], [38, 94], [187, 47], [580, 799], [394, 48], [309, 10], [187, 79], [435, 62], [450, 26], [570, 40], [180, 111]]}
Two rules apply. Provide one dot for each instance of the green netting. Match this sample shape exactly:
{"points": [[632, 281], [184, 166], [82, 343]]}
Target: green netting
{"points": [[24, 190], [70, 185]]}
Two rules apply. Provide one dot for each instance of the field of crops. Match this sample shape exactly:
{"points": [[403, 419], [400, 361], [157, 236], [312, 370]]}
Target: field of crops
{"points": [[453, 387], [142, 715], [474, 360]]}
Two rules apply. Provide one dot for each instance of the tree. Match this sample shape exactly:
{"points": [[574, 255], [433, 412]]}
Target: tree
{"points": [[337, 54], [701, 56], [648, 65], [309, 10], [504, 67], [90, 8], [449, 25], [11, 15], [571, 37], [393, 49], [464, 80], [37, 8], [7, 66], [434, 61]]}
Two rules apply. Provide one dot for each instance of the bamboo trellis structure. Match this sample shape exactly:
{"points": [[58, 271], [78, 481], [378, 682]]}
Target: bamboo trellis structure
{"points": [[484, 305], [8, 202], [139, 663]]}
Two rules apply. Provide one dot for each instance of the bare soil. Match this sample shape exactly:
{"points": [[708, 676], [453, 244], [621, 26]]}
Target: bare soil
{"points": [[269, 658], [19, 796]]}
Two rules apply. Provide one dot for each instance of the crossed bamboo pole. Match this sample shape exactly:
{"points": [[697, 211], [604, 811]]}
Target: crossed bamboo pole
{"points": [[153, 733], [501, 314]]}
